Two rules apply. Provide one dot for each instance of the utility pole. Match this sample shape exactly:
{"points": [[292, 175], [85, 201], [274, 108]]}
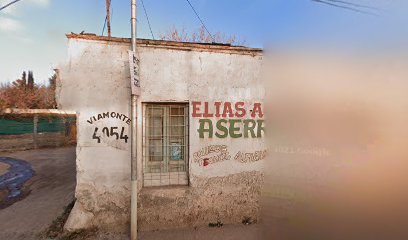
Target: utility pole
{"points": [[108, 17], [135, 91]]}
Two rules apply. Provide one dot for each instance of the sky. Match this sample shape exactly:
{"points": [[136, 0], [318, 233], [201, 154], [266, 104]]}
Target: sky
{"points": [[32, 32]]}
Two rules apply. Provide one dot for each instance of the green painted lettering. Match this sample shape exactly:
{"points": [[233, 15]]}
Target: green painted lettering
{"points": [[202, 129], [260, 129], [248, 128], [223, 129], [232, 128]]}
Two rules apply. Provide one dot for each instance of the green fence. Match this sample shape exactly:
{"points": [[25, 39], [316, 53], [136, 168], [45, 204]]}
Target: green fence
{"points": [[26, 125]]}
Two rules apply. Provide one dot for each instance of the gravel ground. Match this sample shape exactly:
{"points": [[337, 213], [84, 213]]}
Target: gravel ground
{"points": [[226, 232], [49, 191], [52, 188], [3, 168]]}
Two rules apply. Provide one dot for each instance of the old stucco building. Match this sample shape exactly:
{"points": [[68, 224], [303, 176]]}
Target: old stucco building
{"points": [[200, 132]]}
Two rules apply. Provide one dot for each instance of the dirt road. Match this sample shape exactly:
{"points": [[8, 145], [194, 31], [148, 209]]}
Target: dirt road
{"points": [[50, 190], [227, 232]]}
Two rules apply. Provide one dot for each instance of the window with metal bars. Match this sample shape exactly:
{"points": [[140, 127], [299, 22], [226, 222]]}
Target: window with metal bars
{"points": [[165, 144]]}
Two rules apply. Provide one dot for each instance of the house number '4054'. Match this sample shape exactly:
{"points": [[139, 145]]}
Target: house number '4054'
{"points": [[110, 132]]}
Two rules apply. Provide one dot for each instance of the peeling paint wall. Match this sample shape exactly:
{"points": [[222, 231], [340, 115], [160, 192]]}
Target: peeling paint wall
{"points": [[95, 82], [92, 82], [228, 199]]}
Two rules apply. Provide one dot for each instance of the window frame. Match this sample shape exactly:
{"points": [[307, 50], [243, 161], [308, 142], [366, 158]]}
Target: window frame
{"points": [[165, 177]]}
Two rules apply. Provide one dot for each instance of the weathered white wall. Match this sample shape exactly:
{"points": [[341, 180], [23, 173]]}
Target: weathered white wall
{"points": [[225, 191], [171, 75], [96, 80]]}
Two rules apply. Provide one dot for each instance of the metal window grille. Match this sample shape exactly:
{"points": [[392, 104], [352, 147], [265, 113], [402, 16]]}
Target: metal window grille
{"points": [[165, 144]]}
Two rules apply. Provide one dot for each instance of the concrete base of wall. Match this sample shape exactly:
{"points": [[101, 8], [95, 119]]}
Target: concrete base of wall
{"points": [[101, 209], [229, 200]]}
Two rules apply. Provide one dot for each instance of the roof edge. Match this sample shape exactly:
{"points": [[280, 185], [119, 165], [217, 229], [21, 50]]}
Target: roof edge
{"points": [[213, 47]]}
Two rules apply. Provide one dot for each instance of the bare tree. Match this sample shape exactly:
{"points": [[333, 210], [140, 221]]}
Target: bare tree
{"points": [[24, 93], [199, 36]]}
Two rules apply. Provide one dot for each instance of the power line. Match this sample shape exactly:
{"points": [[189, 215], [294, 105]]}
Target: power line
{"points": [[353, 4], [104, 25], [8, 4], [333, 4], [201, 20], [147, 17]]}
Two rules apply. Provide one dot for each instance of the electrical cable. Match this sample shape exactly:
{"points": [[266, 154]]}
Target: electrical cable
{"points": [[9, 4], [331, 3], [147, 17], [201, 21], [353, 4]]}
